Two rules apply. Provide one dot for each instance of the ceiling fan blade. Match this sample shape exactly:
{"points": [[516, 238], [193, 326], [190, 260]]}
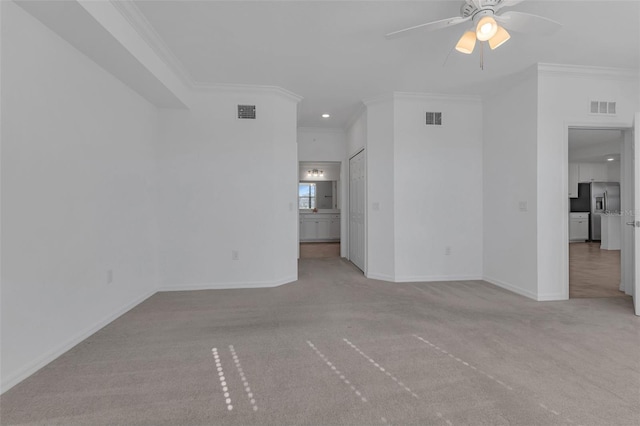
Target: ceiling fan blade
{"points": [[528, 23], [429, 26], [509, 3]]}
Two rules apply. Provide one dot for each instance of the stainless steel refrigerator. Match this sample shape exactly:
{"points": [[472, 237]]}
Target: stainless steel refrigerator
{"points": [[603, 197]]}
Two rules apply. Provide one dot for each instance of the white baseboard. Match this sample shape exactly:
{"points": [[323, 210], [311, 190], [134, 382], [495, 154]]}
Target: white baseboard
{"points": [[38, 363], [228, 285], [381, 277], [423, 278], [512, 288], [551, 297], [435, 278]]}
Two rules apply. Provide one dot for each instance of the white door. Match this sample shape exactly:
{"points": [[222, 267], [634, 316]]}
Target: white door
{"points": [[357, 179], [635, 219]]}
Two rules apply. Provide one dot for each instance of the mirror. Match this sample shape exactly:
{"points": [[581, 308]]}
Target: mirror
{"points": [[320, 194]]}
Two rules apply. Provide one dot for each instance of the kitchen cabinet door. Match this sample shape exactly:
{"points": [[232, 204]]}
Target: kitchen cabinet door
{"points": [[578, 229], [592, 172]]}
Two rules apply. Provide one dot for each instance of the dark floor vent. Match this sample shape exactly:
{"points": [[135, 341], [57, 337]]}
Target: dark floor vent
{"points": [[247, 111], [434, 119]]}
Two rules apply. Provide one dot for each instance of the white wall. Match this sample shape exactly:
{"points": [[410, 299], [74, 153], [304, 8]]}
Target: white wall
{"points": [[564, 96], [78, 196], [228, 184], [510, 177], [437, 188], [613, 171], [380, 263], [319, 144], [357, 133]]}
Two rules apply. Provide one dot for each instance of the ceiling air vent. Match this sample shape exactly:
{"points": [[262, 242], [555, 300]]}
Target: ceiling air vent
{"points": [[434, 119], [247, 111], [603, 107]]}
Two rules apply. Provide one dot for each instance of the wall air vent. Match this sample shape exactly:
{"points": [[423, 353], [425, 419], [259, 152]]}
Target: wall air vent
{"points": [[247, 111], [434, 119], [602, 107]]}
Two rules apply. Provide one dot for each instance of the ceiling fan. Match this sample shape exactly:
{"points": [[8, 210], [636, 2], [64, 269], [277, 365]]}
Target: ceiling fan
{"points": [[488, 24]]}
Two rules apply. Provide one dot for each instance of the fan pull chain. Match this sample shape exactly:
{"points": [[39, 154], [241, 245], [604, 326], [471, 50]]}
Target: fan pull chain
{"points": [[482, 56]]}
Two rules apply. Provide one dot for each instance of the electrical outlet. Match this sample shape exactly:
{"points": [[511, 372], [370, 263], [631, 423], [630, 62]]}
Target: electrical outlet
{"points": [[109, 276], [522, 205], [235, 255], [447, 251]]}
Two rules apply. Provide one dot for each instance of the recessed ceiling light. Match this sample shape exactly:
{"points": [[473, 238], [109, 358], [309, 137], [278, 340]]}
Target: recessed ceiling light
{"points": [[325, 116], [610, 159]]}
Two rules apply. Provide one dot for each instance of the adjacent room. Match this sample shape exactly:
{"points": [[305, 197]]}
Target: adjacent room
{"points": [[319, 209], [595, 220], [320, 212]]}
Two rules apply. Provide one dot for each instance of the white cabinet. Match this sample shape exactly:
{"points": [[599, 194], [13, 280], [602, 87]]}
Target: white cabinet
{"points": [[574, 173], [586, 172], [592, 172], [308, 230], [334, 227], [319, 227], [578, 226], [322, 228]]}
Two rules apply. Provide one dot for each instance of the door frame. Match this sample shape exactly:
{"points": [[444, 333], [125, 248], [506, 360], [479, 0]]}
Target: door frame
{"points": [[362, 151], [612, 125]]}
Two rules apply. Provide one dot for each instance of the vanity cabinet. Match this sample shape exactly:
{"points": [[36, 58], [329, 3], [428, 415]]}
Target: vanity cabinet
{"points": [[319, 227]]}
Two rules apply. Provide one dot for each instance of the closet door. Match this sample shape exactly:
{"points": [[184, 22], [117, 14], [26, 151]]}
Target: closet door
{"points": [[357, 184]]}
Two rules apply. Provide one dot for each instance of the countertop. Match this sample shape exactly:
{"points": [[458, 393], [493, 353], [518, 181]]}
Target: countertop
{"points": [[333, 211]]}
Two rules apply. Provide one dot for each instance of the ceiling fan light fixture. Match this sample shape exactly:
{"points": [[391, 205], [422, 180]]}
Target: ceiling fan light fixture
{"points": [[486, 28], [500, 38], [467, 43]]}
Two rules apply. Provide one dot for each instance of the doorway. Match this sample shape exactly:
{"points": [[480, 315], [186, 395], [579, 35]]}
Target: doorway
{"points": [[597, 183], [319, 206]]}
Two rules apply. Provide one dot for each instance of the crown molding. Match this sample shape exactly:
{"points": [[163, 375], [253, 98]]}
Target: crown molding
{"points": [[588, 71], [377, 99], [333, 130], [247, 88], [436, 97], [421, 96], [143, 27]]}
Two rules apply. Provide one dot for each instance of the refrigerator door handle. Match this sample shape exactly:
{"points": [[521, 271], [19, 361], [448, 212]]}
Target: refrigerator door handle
{"points": [[604, 206]]}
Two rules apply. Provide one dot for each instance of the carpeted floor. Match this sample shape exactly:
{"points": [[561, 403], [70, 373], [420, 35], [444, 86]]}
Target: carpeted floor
{"points": [[337, 348]]}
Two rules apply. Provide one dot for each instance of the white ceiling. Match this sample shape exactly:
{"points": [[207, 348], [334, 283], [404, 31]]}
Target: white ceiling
{"points": [[334, 54], [582, 138], [594, 145]]}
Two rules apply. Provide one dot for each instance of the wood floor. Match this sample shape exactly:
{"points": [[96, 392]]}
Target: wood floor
{"points": [[593, 272], [319, 250]]}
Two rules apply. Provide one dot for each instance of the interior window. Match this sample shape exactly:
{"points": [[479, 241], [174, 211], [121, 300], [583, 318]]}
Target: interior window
{"points": [[307, 195]]}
